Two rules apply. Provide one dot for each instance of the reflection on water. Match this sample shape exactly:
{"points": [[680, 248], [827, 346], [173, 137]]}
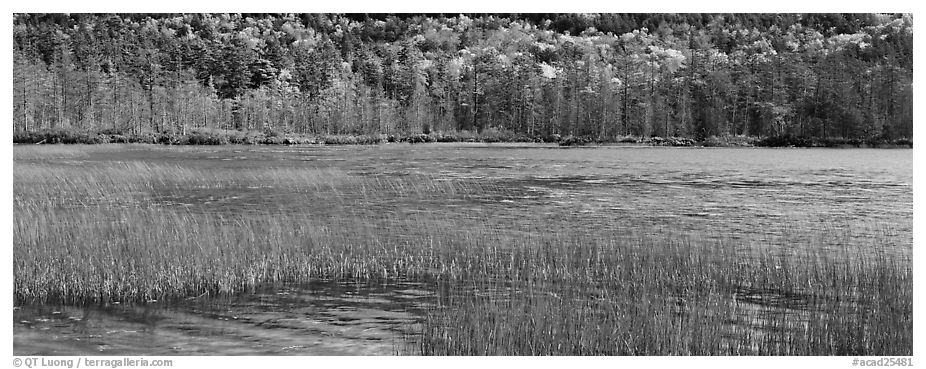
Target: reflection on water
{"points": [[322, 318]]}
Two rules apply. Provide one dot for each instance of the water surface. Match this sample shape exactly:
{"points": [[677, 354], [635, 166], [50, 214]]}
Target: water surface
{"points": [[322, 318], [761, 199]]}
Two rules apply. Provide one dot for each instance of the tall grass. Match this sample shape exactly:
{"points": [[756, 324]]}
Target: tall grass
{"points": [[691, 300], [99, 232]]}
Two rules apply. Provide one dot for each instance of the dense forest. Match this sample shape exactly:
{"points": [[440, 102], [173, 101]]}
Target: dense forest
{"points": [[602, 76]]}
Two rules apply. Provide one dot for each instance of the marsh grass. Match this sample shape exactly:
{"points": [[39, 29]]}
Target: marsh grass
{"points": [[664, 301], [98, 233]]}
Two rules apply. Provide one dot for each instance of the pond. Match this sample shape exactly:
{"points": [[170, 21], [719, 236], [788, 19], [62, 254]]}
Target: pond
{"points": [[759, 198]]}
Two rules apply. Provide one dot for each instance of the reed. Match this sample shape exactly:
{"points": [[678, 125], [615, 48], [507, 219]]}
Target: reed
{"points": [[664, 301]]}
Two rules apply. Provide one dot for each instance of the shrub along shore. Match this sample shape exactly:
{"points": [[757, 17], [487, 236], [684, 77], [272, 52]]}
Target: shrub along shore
{"points": [[267, 137]]}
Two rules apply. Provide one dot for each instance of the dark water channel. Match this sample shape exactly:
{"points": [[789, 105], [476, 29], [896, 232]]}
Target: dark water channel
{"points": [[772, 197], [322, 318]]}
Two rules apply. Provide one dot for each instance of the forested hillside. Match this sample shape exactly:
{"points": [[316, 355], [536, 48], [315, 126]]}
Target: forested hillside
{"points": [[602, 76]]}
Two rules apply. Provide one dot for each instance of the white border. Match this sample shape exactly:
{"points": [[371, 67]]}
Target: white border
{"points": [[480, 6]]}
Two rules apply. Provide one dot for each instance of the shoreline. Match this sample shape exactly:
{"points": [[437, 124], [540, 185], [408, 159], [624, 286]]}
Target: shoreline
{"points": [[231, 137]]}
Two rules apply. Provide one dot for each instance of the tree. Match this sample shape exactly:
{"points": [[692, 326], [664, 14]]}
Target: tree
{"points": [[697, 75]]}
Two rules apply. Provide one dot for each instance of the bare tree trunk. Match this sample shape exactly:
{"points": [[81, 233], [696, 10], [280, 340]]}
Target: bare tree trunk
{"points": [[151, 121], [134, 115], [90, 122], [115, 102], [64, 96], [475, 98], [25, 124], [55, 96]]}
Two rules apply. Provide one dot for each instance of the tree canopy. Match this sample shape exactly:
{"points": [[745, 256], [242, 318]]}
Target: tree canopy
{"points": [[597, 75]]}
